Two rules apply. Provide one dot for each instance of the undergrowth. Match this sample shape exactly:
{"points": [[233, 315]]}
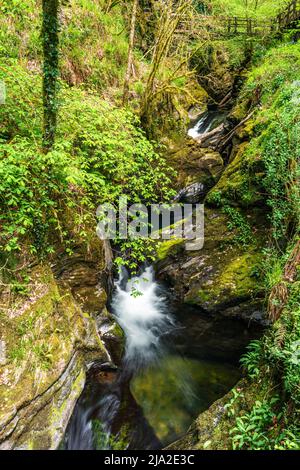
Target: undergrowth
{"points": [[271, 166]]}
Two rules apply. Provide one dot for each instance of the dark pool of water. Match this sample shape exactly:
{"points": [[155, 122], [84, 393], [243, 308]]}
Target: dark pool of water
{"points": [[174, 392]]}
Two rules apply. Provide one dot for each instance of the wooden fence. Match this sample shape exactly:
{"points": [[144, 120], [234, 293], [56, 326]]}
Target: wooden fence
{"points": [[232, 26]]}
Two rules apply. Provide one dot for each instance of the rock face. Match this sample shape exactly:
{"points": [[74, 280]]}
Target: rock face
{"points": [[47, 342], [195, 164], [191, 194], [220, 278], [236, 184]]}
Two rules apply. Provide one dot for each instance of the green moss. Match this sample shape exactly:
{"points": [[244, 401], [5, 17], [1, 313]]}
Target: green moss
{"points": [[233, 282], [59, 409], [117, 331], [235, 186], [168, 247], [41, 340]]}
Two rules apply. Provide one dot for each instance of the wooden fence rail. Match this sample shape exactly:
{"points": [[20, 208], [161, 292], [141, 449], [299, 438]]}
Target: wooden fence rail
{"points": [[231, 26]]}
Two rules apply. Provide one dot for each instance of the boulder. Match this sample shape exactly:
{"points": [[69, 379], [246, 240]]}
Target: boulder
{"points": [[195, 164], [221, 277], [236, 186], [191, 194]]}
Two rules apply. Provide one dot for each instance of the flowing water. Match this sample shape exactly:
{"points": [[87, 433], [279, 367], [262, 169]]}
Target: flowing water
{"points": [[206, 123], [140, 307], [159, 388]]}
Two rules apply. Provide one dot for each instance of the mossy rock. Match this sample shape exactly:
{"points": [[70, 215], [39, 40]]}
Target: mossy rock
{"points": [[112, 335], [235, 185], [48, 339], [194, 163], [222, 276], [233, 282], [169, 247]]}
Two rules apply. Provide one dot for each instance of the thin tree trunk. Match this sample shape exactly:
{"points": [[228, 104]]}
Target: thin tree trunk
{"points": [[168, 23], [130, 52], [50, 70]]}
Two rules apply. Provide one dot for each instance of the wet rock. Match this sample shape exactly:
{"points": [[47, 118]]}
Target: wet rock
{"points": [[84, 273], [50, 338], [47, 347], [191, 194], [221, 277], [103, 373], [195, 164], [195, 112], [88, 277], [231, 187], [112, 335], [213, 336]]}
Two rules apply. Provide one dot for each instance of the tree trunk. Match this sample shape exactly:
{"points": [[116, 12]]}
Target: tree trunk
{"points": [[130, 52], [50, 70], [171, 16]]}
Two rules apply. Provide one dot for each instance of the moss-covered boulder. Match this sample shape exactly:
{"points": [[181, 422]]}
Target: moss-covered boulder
{"points": [[222, 277], [195, 164], [238, 183]]}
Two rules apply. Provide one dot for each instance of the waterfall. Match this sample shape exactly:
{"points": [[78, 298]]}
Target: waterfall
{"points": [[139, 305], [161, 385], [206, 123], [200, 127]]}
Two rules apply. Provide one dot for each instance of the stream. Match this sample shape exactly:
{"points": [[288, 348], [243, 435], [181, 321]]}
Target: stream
{"points": [[163, 383], [177, 362], [206, 122]]}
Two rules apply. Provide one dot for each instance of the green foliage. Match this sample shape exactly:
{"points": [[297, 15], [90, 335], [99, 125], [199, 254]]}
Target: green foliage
{"points": [[262, 428], [237, 221], [253, 8], [50, 37], [280, 145], [20, 285], [22, 113], [20, 29], [230, 405], [31, 186], [103, 440], [100, 153], [43, 354], [272, 268], [111, 157], [274, 422], [112, 153], [281, 348], [273, 154], [93, 41], [252, 359], [94, 45]]}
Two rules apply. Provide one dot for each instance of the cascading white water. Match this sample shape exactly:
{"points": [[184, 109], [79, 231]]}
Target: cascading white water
{"points": [[140, 308], [206, 123], [199, 127]]}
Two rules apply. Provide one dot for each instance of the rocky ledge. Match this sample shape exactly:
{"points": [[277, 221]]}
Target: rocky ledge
{"points": [[47, 342], [221, 277]]}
